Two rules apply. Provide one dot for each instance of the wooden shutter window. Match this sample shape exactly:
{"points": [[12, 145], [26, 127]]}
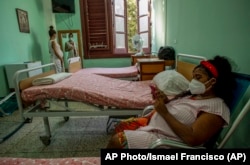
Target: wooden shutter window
{"points": [[96, 24]]}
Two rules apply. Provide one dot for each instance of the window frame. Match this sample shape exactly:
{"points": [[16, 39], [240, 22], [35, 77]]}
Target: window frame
{"points": [[110, 51]]}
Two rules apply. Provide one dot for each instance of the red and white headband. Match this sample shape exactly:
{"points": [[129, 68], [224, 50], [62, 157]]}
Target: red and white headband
{"points": [[210, 67]]}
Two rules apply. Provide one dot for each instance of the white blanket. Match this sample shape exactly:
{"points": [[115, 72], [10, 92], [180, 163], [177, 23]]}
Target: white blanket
{"points": [[51, 79]]}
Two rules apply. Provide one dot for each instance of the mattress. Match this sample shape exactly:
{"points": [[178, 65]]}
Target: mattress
{"points": [[122, 72], [94, 89]]}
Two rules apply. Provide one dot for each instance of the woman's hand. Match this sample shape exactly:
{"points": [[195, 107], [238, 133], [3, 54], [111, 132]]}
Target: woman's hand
{"points": [[157, 93], [160, 100], [160, 106]]}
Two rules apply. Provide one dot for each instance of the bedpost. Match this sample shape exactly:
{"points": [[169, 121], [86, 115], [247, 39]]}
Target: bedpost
{"points": [[18, 88]]}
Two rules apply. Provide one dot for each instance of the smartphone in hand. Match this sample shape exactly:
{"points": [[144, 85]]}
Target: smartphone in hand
{"points": [[156, 93]]}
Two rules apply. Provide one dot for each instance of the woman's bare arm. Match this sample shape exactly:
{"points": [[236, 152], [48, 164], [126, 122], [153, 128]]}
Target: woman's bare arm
{"points": [[56, 53], [199, 132]]}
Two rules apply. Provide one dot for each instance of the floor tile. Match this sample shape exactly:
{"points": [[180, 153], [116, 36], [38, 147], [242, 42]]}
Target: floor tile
{"points": [[77, 137]]}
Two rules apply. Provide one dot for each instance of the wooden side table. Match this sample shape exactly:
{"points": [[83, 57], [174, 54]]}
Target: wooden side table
{"points": [[149, 67]]}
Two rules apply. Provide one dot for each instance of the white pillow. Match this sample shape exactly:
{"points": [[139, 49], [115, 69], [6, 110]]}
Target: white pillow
{"points": [[171, 82]]}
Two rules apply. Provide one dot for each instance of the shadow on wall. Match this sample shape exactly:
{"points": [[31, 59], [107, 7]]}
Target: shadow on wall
{"points": [[36, 49], [39, 4], [109, 63], [3, 83]]}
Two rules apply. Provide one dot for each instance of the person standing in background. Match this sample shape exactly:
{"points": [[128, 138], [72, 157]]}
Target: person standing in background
{"points": [[71, 47], [55, 51]]}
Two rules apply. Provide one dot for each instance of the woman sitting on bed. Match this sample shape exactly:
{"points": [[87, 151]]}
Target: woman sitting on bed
{"points": [[193, 118]]}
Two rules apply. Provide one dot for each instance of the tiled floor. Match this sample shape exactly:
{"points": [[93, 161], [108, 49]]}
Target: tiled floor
{"points": [[77, 137]]}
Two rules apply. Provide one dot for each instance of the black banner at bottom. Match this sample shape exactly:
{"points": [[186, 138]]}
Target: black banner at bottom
{"points": [[171, 156]]}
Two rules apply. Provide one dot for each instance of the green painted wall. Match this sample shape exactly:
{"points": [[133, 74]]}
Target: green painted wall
{"points": [[159, 25], [211, 27], [65, 21], [17, 47]]}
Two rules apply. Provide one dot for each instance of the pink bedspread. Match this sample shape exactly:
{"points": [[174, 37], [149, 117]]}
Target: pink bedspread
{"points": [[95, 89], [123, 72], [51, 161]]}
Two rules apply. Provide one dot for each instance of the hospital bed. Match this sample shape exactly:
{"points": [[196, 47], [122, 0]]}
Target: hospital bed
{"points": [[131, 73], [111, 97], [124, 73]]}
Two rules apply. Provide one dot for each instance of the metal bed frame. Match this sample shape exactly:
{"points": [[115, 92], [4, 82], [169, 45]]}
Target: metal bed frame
{"points": [[27, 113]]}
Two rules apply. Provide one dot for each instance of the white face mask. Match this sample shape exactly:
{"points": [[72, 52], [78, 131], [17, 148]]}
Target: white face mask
{"points": [[196, 87]]}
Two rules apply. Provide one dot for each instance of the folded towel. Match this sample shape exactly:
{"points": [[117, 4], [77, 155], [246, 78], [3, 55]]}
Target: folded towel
{"points": [[51, 79]]}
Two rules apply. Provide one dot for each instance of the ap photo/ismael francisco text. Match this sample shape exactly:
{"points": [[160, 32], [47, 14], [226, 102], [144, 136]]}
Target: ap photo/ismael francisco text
{"points": [[222, 156]]}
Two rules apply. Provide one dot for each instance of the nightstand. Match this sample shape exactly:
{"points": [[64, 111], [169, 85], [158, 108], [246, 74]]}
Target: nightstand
{"points": [[134, 58], [149, 67]]}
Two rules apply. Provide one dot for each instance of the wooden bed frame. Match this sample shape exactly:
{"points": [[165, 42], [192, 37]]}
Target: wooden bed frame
{"points": [[186, 68], [75, 65], [33, 111]]}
